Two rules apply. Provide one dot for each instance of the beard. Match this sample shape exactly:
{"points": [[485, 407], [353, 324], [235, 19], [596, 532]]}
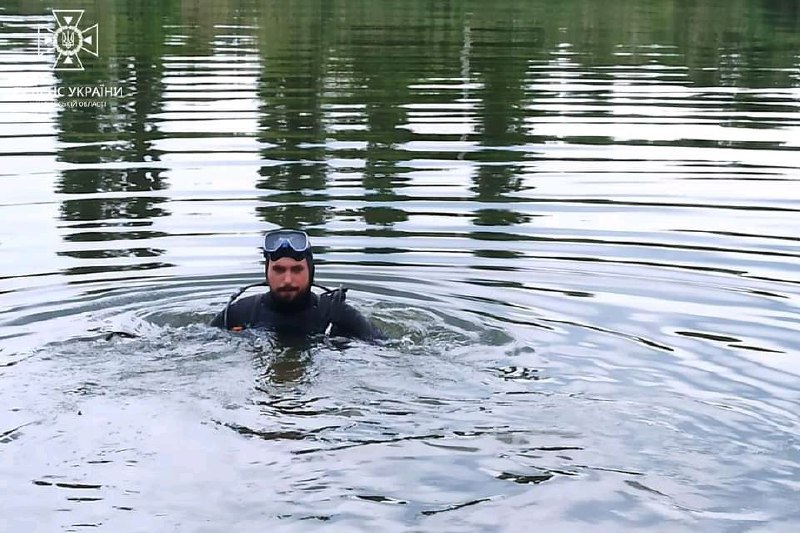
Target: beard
{"points": [[290, 299], [291, 296], [287, 293]]}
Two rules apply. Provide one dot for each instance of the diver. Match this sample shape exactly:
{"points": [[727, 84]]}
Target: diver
{"points": [[290, 307]]}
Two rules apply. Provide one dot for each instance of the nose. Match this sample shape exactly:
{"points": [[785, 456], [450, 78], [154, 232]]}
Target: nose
{"points": [[287, 278]]}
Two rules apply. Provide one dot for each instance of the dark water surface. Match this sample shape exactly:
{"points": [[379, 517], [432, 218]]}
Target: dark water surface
{"points": [[579, 221]]}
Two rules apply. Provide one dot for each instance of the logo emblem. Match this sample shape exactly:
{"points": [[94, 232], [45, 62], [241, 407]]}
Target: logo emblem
{"points": [[70, 40]]}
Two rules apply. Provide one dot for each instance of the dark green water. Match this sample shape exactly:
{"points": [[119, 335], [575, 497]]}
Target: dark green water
{"points": [[579, 221]]}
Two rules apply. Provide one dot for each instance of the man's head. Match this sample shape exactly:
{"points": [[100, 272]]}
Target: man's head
{"points": [[290, 264]]}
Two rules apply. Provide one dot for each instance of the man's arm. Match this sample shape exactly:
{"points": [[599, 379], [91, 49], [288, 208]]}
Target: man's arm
{"points": [[219, 320], [351, 323]]}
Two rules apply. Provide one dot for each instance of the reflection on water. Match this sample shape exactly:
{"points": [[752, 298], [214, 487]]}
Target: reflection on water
{"points": [[577, 222]]}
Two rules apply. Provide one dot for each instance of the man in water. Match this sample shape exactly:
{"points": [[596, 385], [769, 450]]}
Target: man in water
{"points": [[290, 306]]}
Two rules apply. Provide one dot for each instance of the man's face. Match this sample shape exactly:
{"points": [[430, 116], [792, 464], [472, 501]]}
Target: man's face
{"points": [[288, 278]]}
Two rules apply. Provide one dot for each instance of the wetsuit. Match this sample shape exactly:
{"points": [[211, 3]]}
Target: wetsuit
{"points": [[309, 315]]}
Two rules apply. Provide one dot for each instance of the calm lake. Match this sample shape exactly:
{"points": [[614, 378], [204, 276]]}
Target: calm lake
{"points": [[578, 221]]}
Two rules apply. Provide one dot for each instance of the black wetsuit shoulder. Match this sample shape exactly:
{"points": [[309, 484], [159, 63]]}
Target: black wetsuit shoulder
{"points": [[242, 313]]}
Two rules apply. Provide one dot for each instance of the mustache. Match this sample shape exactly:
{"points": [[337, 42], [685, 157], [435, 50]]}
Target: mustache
{"points": [[288, 288]]}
